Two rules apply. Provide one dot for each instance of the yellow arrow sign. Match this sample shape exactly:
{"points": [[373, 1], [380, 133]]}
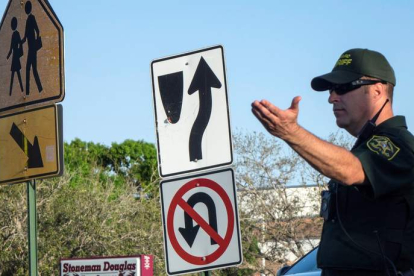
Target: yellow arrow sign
{"points": [[31, 144], [31, 55]]}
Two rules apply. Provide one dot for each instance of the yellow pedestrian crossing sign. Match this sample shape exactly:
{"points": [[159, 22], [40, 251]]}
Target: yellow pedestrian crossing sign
{"points": [[31, 55]]}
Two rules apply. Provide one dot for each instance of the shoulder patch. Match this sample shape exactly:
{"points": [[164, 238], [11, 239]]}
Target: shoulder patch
{"points": [[382, 145]]}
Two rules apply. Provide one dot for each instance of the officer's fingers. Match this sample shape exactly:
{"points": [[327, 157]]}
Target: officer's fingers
{"points": [[264, 111], [258, 110], [271, 107], [263, 120], [261, 112], [258, 107], [257, 114]]}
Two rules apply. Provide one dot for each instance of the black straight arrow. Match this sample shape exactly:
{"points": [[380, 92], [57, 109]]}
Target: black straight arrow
{"points": [[204, 79], [189, 233], [32, 151]]}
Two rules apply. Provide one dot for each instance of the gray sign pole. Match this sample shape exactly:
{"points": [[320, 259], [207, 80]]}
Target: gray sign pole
{"points": [[205, 273], [32, 226]]}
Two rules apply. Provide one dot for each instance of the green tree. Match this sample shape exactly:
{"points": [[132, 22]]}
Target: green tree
{"points": [[95, 209], [129, 161]]}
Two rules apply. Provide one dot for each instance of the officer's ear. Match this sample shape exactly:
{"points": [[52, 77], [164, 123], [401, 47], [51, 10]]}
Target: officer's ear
{"points": [[379, 90]]}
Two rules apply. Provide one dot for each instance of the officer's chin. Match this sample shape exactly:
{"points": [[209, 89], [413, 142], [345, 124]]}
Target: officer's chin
{"points": [[340, 122]]}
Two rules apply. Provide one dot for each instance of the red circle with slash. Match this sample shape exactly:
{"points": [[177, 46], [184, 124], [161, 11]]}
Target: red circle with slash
{"points": [[179, 201]]}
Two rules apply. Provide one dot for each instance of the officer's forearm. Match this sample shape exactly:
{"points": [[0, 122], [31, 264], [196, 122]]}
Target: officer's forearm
{"points": [[330, 160]]}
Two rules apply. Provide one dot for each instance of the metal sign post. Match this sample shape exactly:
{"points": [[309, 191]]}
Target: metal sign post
{"points": [[32, 226], [205, 273]]}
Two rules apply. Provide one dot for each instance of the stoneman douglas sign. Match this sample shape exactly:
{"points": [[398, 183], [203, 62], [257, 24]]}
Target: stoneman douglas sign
{"points": [[141, 265]]}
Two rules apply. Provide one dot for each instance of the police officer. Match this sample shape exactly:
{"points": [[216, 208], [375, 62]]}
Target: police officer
{"points": [[369, 208]]}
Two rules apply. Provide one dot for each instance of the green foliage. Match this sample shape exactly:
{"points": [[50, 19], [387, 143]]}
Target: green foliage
{"points": [[79, 221], [13, 237], [131, 161], [100, 207]]}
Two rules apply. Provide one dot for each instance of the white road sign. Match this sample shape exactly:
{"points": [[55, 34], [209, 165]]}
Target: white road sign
{"points": [[191, 112], [201, 226]]}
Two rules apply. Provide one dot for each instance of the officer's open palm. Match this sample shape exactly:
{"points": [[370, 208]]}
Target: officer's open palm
{"points": [[278, 122]]}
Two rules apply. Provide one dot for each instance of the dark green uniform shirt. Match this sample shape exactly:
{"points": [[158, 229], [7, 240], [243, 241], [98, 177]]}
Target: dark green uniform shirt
{"points": [[379, 212]]}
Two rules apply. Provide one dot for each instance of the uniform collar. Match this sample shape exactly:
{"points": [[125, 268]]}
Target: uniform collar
{"points": [[396, 121]]}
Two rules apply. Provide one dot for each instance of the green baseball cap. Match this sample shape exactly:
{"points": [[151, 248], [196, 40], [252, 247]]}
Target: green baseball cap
{"points": [[354, 64]]}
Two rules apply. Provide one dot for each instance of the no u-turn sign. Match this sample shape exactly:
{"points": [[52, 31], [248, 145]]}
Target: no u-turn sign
{"points": [[201, 228]]}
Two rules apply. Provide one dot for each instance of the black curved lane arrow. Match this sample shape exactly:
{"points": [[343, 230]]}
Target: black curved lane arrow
{"points": [[189, 233], [204, 79]]}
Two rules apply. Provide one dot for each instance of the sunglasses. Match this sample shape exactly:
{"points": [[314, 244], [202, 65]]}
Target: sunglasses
{"points": [[342, 89]]}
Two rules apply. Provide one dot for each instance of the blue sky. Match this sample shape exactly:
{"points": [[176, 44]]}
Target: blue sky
{"points": [[272, 49]]}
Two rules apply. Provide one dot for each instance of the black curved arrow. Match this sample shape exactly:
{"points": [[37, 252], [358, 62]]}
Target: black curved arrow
{"points": [[32, 151], [204, 79], [189, 233]]}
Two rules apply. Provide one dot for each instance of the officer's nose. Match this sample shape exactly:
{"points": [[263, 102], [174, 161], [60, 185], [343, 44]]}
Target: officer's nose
{"points": [[333, 97]]}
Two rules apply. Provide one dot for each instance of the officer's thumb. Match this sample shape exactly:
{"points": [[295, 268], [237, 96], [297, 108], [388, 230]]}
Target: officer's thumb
{"points": [[295, 103]]}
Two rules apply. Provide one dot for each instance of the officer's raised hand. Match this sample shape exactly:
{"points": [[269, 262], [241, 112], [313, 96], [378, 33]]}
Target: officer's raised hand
{"points": [[330, 160], [278, 122]]}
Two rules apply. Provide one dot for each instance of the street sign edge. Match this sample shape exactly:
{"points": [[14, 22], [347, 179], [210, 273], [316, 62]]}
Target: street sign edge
{"points": [[59, 127], [53, 12], [4, 14]]}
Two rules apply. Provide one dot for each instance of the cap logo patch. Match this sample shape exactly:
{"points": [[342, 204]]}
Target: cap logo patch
{"points": [[382, 145], [345, 59]]}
